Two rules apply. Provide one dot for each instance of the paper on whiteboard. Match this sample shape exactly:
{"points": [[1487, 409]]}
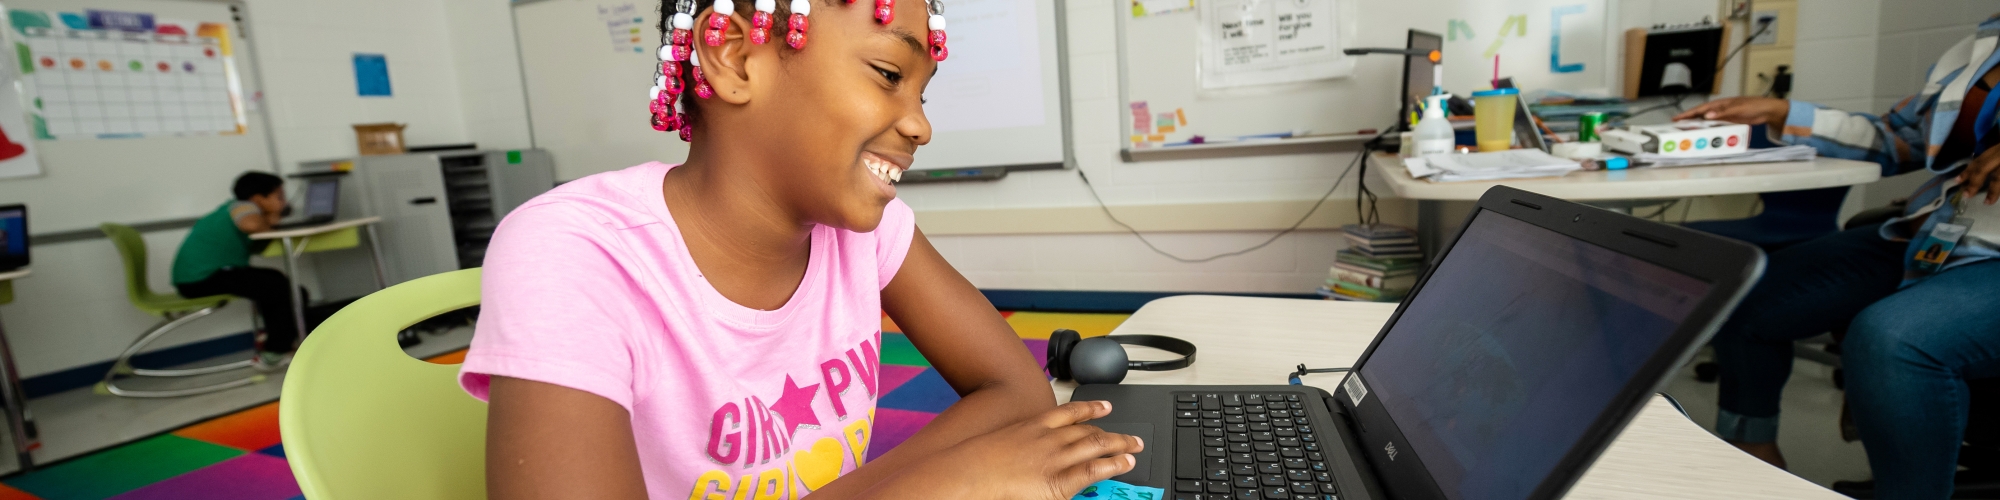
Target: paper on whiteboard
{"points": [[993, 79], [1261, 42]]}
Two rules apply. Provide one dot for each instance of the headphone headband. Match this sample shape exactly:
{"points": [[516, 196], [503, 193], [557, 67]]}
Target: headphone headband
{"points": [[1164, 343]]}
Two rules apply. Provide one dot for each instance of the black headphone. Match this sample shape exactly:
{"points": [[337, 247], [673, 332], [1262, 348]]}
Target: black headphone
{"points": [[1101, 360]]}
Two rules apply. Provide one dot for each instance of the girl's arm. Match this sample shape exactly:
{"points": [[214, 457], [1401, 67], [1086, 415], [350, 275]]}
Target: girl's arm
{"points": [[975, 350], [549, 441]]}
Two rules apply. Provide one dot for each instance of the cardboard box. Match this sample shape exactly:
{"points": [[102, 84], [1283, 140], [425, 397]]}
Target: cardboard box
{"points": [[1687, 139], [379, 138]]}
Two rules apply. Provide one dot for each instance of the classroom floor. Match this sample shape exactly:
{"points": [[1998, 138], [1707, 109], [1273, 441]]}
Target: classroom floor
{"points": [[237, 456]]}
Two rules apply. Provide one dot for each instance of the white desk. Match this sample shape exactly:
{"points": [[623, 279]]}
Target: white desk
{"points": [[293, 238], [1620, 185], [20, 424], [1244, 340]]}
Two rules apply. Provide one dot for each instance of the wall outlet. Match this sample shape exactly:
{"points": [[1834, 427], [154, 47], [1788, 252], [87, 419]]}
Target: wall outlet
{"points": [[1757, 22]]}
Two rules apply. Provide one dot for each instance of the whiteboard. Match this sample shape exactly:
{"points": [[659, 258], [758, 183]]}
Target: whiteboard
{"points": [[990, 105], [1546, 44], [91, 181]]}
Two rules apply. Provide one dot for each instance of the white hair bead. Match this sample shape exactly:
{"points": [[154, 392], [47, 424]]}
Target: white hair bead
{"points": [[655, 94], [660, 83], [694, 58], [802, 7], [767, 5], [666, 52], [682, 21], [725, 7], [937, 22]]}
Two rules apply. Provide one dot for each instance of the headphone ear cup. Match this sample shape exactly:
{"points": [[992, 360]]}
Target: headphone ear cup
{"points": [[1098, 360], [1061, 342]]}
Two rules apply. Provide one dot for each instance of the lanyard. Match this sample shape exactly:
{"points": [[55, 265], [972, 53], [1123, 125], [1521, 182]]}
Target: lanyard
{"points": [[1985, 122]]}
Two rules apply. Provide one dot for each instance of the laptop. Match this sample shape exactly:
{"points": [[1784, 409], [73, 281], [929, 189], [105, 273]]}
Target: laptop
{"points": [[1524, 349], [13, 237], [322, 204]]}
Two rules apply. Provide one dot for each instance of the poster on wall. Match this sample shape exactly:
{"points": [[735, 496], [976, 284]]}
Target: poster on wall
{"points": [[1541, 44], [1263, 42], [111, 75]]}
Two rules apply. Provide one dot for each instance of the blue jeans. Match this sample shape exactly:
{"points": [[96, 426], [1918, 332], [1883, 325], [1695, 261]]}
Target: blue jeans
{"points": [[1908, 352]]}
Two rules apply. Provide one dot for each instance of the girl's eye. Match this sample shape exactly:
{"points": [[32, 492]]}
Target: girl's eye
{"points": [[892, 76]]}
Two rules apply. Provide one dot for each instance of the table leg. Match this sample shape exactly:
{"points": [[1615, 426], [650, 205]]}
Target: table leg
{"points": [[292, 275], [1431, 228], [20, 423], [375, 253]]}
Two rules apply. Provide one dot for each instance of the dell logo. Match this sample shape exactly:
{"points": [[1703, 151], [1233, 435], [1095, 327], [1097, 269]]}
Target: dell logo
{"points": [[1391, 448]]}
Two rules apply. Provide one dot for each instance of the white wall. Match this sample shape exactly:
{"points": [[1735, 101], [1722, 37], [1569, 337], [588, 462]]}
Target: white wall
{"points": [[489, 72]]}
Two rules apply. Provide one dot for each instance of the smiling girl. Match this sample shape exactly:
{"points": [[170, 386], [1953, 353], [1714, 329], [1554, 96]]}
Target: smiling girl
{"points": [[711, 330]]}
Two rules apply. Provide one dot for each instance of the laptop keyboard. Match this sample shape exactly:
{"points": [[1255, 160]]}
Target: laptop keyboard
{"points": [[1247, 446]]}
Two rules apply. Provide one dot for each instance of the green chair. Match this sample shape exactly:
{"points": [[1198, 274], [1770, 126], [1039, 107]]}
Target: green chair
{"points": [[362, 419], [174, 311]]}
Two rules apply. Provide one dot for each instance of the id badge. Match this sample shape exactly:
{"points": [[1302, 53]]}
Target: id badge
{"points": [[1943, 239]]}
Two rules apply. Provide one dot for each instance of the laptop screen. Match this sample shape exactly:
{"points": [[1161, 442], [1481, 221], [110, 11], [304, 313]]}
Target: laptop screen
{"points": [[1516, 344], [322, 198], [13, 236]]}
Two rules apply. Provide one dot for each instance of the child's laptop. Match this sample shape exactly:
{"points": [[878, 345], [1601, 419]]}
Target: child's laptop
{"points": [[1524, 349], [322, 204]]}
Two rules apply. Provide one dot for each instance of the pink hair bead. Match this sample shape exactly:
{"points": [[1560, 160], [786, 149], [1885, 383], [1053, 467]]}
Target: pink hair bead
{"points": [[796, 39], [680, 37], [674, 85], [713, 38], [681, 52], [718, 21], [760, 26], [799, 23], [938, 53], [886, 14], [937, 38], [670, 69], [687, 133]]}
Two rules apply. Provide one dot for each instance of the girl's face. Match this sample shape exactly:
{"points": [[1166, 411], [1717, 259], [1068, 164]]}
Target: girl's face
{"points": [[833, 122]]}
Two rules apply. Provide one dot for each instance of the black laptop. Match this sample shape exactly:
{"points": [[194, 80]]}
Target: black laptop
{"points": [[322, 204], [1523, 350]]}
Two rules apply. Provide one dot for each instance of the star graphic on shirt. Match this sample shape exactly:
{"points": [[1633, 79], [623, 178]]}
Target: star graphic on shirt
{"points": [[796, 406]]}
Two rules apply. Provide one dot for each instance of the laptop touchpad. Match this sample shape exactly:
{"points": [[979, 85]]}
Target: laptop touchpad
{"points": [[1142, 464]]}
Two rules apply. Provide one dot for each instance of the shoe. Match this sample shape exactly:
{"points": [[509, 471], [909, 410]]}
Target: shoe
{"points": [[266, 361]]}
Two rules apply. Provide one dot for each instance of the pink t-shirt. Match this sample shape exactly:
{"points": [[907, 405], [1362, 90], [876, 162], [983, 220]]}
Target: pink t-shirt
{"points": [[590, 287]]}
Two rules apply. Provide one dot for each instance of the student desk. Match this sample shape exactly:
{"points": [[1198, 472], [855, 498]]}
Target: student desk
{"points": [[1609, 187], [20, 425], [299, 240], [1247, 340]]}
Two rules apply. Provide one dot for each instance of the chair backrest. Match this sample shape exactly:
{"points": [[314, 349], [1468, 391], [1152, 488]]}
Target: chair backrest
{"points": [[361, 419], [132, 252]]}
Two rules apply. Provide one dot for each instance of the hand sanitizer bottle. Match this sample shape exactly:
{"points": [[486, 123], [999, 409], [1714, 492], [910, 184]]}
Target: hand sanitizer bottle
{"points": [[1434, 133]]}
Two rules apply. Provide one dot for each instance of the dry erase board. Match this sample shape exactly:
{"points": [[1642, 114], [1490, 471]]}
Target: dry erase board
{"points": [[142, 170], [1557, 44], [589, 63]]}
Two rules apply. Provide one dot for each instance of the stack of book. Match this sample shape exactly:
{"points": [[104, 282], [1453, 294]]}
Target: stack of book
{"points": [[1380, 264]]}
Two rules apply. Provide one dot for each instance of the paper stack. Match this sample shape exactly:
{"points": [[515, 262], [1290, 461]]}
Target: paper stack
{"points": [[1379, 265], [1766, 155], [1512, 164]]}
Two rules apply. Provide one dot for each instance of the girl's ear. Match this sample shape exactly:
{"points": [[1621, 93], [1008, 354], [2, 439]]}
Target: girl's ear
{"points": [[726, 66]]}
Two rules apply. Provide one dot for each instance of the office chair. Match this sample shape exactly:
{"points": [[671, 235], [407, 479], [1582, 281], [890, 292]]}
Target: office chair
{"points": [[174, 311]]}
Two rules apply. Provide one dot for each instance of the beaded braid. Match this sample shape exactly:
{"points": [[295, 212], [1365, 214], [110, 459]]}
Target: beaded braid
{"points": [[677, 45]]}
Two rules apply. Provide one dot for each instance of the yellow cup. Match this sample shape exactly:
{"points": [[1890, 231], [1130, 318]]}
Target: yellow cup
{"points": [[1493, 111]]}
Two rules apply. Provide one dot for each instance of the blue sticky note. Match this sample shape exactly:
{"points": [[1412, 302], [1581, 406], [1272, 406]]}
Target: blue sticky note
{"points": [[371, 75], [1114, 490]]}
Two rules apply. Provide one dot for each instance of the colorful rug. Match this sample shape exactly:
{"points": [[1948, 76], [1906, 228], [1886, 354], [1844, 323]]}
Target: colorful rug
{"points": [[239, 457]]}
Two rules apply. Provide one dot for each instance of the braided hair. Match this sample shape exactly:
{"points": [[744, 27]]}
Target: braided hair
{"points": [[675, 111]]}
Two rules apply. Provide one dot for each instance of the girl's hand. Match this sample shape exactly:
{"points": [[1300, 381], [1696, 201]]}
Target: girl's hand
{"points": [[1049, 456]]}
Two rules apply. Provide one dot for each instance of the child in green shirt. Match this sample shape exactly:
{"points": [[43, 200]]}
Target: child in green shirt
{"points": [[215, 260]]}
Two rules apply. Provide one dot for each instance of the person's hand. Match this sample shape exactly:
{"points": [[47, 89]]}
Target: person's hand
{"points": [[1981, 175], [1744, 110], [1050, 456]]}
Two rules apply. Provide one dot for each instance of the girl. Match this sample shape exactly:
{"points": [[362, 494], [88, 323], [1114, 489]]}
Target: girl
{"points": [[710, 330]]}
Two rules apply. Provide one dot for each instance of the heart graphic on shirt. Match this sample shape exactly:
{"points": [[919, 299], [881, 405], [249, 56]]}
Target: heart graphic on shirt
{"points": [[819, 465]]}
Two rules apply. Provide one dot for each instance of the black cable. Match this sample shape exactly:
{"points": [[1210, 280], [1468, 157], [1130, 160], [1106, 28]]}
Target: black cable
{"points": [[1656, 215], [1303, 371], [1358, 159], [1746, 44], [1676, 105]]}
